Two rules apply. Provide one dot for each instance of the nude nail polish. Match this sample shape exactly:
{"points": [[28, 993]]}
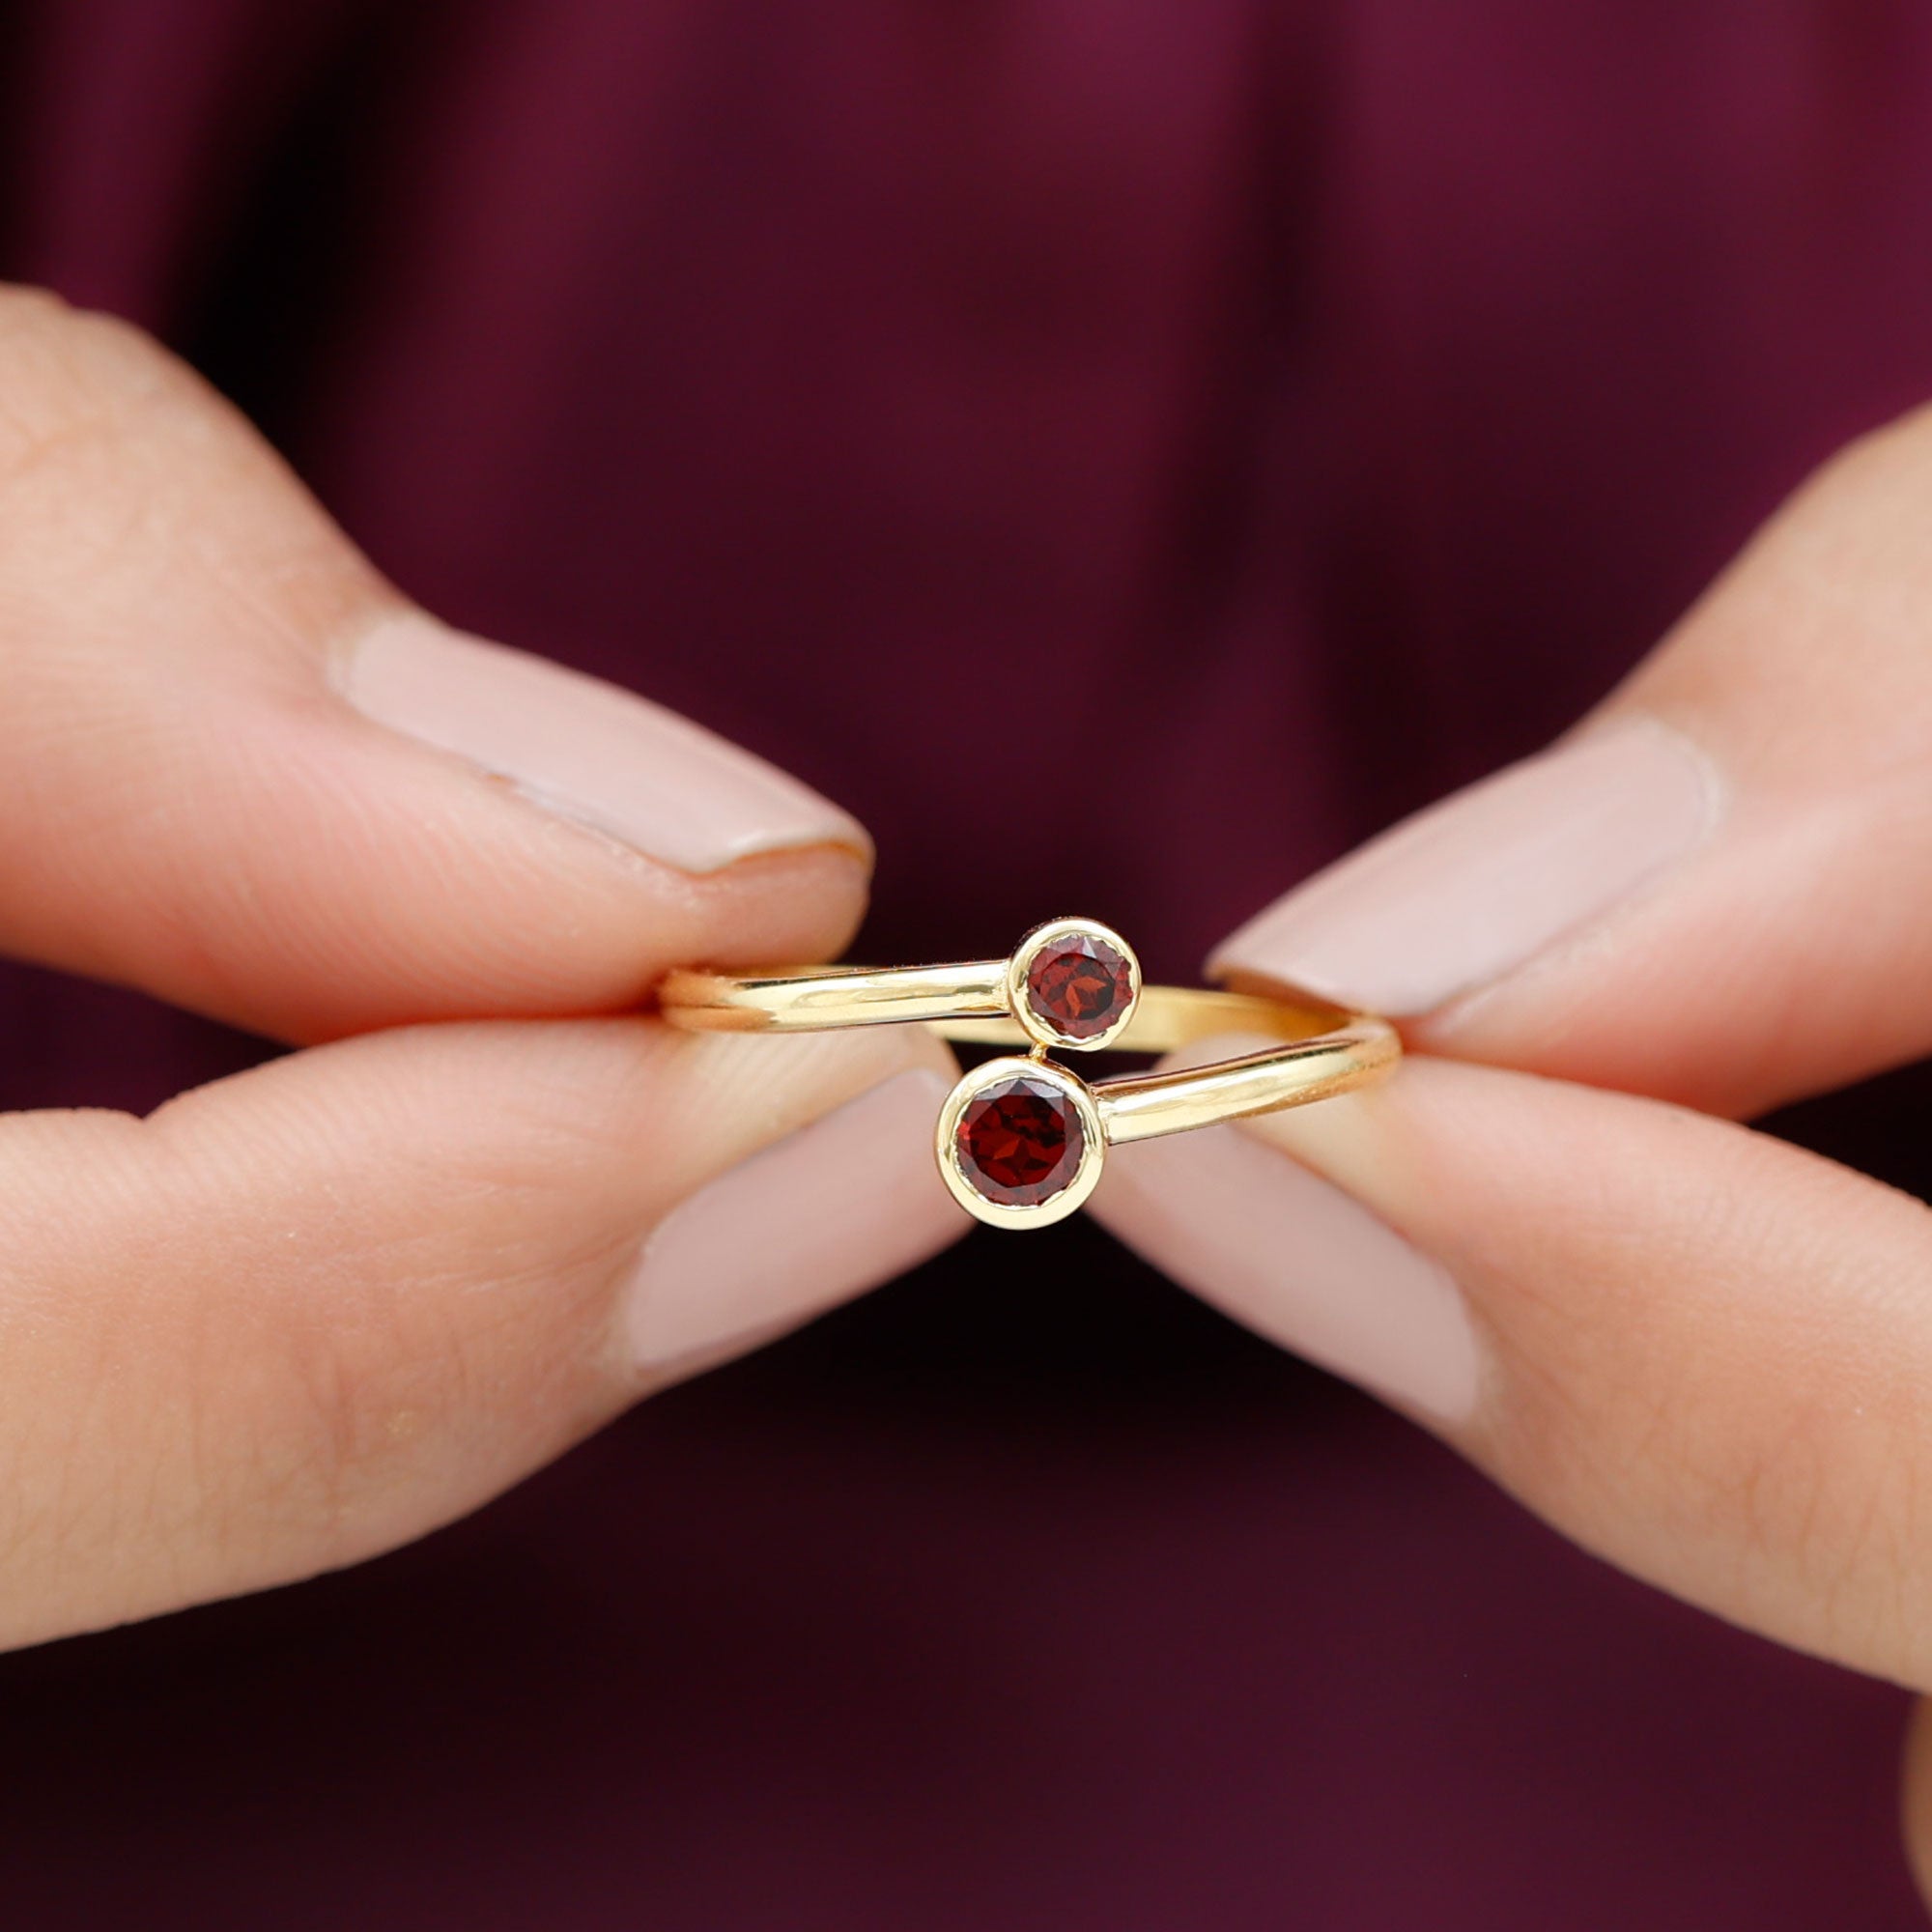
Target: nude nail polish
{"points": [[1479, 883], [840, 1204], [1297, 1260], [583, 749]]}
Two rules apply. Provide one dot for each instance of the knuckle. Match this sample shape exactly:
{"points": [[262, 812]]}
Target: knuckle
{"points": [[40, 332], [1887, 468], [1831, 1502], [364, 1419], [123, 472], [343, 1436], [67, 375]]}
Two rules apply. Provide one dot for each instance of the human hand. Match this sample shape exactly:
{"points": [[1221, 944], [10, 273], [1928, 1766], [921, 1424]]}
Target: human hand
{"points": [[312, 1310], [1699, 1351]]}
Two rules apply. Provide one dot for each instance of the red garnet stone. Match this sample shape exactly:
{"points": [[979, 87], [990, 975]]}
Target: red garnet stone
{"points": [[1079, 986], [1020, 1140]]}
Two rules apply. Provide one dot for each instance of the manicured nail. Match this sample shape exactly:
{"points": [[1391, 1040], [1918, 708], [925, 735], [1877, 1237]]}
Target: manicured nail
{"points": [[1477, 885], [838, 1205], [1292, 1256], [586, 749]]}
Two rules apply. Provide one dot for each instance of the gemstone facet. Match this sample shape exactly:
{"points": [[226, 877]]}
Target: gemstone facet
{"points": [[1020, 1140], [1079, 986]]}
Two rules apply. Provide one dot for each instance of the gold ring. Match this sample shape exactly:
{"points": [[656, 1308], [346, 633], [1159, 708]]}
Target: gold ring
{"points": [[1020, 1141]]}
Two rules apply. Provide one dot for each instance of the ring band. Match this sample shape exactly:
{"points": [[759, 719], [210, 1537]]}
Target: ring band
{"points": [[1020, 1141]]}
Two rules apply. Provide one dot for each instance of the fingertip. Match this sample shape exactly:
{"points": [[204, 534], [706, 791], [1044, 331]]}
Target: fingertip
{"points": [[1469, 891], [583, 748], [328, 882], [834, 1206], [799, 908], [1294, 1257]]}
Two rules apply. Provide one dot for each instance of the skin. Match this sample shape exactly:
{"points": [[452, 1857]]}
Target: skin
{"points": [[307, 1313], [1708, 1353], [312, 1310]]}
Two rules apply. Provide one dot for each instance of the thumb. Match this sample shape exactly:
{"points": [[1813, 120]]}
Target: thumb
{"points": [[1693, 1347], [244, 775], [1713, 891]]}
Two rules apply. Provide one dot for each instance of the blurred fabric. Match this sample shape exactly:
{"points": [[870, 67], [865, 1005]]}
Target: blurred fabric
{"points": [[1299, 409]]}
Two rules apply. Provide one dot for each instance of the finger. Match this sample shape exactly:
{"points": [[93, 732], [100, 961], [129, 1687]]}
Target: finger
{"points": [[1697, 1351], [242, 774], [307, 1313], [1714, 891]]}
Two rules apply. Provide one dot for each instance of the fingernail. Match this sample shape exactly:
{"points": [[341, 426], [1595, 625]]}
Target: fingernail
{"points": [[836, 1206], [1292, 1256], [1482, 882], [586, 749]]}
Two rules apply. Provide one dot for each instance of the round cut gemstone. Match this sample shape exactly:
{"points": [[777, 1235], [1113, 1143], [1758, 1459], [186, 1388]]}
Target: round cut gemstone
{"points": [[1079, 986], [1020, 1140]]}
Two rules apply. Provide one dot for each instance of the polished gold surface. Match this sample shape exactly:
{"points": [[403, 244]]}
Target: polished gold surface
{"points": [[1167, 1019], [967, 1002], [1352, 1056], [810, 999], [1319, 1051]]}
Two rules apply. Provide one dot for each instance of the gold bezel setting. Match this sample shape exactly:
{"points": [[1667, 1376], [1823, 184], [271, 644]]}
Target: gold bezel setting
{"points": [[1037, 1028], [952, 1170]]}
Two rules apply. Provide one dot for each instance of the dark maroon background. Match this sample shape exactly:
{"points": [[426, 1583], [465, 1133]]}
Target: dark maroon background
{"points": [[1324, 401]]}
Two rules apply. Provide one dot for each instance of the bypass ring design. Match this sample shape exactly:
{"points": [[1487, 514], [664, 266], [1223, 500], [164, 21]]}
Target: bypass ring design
{"points": [[1021, 1140]]}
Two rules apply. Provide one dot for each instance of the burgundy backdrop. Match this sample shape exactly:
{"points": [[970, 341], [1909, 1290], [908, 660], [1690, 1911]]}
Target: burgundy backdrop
{"points": [[1391, 367]]}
